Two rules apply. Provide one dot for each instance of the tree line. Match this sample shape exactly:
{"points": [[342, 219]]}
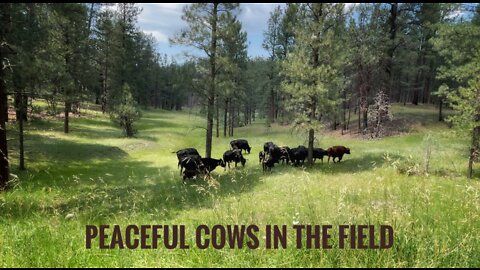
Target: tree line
{"points": [[326, 62], [71, 53]]}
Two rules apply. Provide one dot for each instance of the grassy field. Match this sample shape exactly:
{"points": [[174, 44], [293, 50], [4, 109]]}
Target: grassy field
{"points": [[95, 176]]}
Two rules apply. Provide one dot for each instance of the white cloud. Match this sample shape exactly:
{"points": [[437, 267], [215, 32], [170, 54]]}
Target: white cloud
{"points": [[163, 21], [254, 17], [159, 36]]}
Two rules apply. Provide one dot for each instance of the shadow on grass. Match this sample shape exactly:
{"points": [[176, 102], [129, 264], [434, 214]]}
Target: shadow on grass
{"points": [[98, 182], [123, 189], [348, 164], [56, 151]]}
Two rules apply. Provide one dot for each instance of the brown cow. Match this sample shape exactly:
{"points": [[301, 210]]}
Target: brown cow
{"points": [[337, 152]]}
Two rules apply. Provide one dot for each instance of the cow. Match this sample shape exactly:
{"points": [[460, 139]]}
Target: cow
{"points": [[182, 153], [298, 154], [234, 155], [272, 149], [193, 166], [240, 144], [261, 156], [319, 153], [284, 154], [337, 152], [211, 163], [267, 146], [269, 162]]}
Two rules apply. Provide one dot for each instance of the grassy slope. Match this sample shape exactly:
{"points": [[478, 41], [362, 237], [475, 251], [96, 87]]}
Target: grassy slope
{"points": [[103, 178]]}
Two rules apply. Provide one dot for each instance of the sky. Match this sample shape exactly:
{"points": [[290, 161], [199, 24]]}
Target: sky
{"points": [[163, 20]]}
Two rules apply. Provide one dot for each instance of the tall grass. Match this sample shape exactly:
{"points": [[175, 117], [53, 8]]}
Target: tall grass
{"points": [[95, 176]]}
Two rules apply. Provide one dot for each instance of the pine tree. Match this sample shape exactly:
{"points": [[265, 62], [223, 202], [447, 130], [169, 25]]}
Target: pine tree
{"points": [[126, 111], [205, 23], [313, 70], [459, 45]]}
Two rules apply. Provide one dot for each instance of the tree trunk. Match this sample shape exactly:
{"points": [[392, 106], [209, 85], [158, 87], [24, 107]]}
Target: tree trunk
{"points": [[231, 116], [426, 89], [20, 115], [19, 99], [311, 134], [65, 122], [225, 115], [349, 111], [245, 115], [272, 106], [364, 106], [238, 115], [417, 84], [21, 148], [211, 95], [440, 115], [217, 118], [359, 122], [415, 96], [344, 112], [392, 20], [208, 143], [365, 121], [474, 150], [4, 166], [5, 21]]}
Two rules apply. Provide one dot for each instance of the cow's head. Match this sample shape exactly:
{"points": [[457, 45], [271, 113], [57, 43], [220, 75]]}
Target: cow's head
{"points": [[222, 163], [348, 151]]}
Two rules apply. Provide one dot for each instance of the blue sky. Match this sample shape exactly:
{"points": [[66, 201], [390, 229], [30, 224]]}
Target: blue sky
{"points": [[163, 20]]}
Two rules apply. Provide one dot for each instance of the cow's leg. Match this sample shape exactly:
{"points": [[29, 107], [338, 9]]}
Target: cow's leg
{"points": [[340, 158]]}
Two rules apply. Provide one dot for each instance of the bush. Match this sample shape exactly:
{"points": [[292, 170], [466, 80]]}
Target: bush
{"points": [[125, 111], [379, 113]]}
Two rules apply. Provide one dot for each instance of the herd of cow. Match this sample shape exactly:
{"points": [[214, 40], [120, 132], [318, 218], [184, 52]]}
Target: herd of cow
{"points": [[192, 164]]}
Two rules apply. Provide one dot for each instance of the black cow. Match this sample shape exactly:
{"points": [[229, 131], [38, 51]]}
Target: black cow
{"points": [[193, 166], [240, 144], [261, 156], [211, 164], [269, 162], [267, 146], [276, 152], [319, 153], [182, 153], [298, 154], [284, 154], [234, 156]]}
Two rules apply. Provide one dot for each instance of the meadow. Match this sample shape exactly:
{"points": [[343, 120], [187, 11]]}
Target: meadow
{"points": [[96, 176]]}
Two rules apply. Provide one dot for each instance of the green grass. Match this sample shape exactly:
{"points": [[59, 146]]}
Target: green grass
{"points": [[103, 178]]}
